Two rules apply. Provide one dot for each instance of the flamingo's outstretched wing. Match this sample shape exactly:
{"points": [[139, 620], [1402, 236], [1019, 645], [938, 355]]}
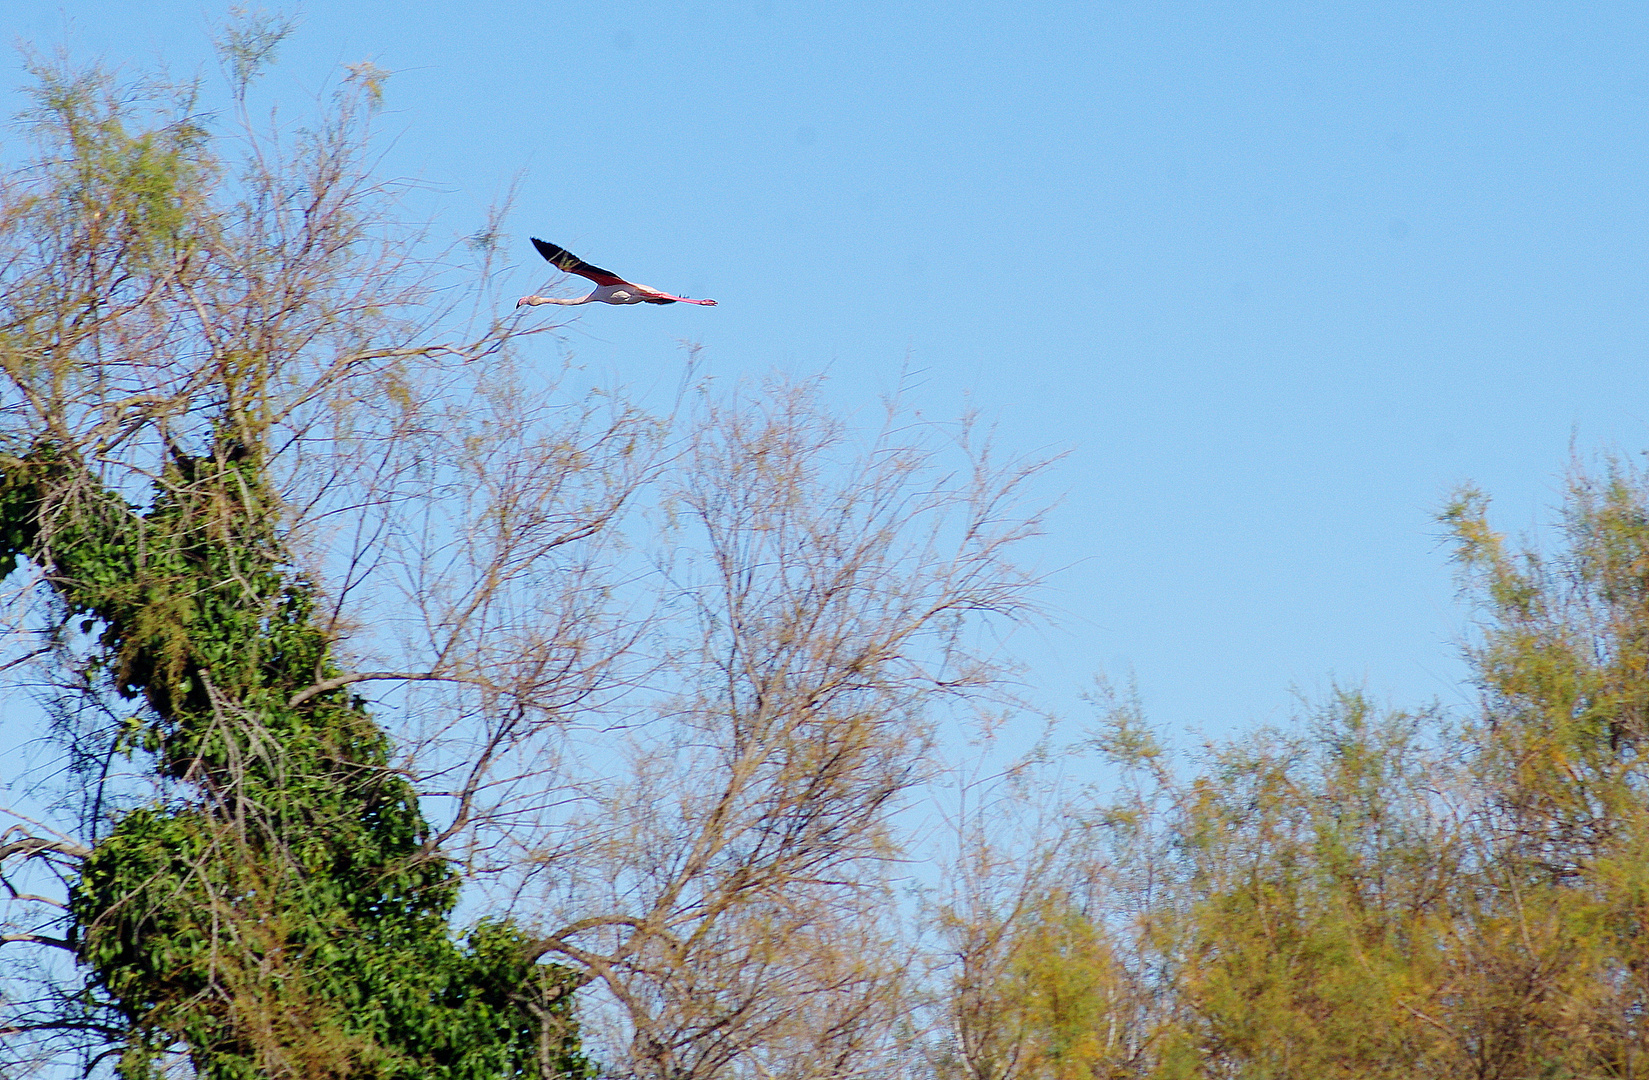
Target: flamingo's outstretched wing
{"points": [[572, 264]]}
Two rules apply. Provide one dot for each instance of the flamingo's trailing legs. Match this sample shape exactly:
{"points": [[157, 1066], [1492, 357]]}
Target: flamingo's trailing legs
{"points": [[609, 287]]}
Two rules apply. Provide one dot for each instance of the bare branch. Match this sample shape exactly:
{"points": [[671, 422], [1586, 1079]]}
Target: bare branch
{"points": [[38, 939], [367, 676]]}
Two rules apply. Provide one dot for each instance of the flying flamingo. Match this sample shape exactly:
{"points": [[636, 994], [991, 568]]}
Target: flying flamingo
{"points": [[609, 287]]}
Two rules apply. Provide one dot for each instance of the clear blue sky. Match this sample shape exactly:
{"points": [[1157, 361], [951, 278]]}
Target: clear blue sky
{"points": [[1279, 276]]}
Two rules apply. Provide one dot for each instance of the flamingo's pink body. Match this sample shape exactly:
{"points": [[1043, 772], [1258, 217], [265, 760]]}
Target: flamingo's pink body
{"points": [[610, 288]]}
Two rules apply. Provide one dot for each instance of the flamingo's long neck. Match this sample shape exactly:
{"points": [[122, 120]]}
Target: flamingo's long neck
{"points": [[537, 300]]}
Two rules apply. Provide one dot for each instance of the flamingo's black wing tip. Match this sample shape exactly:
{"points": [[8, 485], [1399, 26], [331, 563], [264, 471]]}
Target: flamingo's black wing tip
{"points": [[550, 251], [657, 300], [562, 259]]}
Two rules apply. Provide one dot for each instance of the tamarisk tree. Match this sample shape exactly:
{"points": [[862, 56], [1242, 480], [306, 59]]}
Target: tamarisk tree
{"points": [[196, 347]]}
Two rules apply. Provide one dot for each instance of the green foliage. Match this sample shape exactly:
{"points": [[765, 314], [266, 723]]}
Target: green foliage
{"points": [[290, 920]]}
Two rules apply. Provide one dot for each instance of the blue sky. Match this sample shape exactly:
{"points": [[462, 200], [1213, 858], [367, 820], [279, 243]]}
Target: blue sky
{"points": [[1278, 276]]}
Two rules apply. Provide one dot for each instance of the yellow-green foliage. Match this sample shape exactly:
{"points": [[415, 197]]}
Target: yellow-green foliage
{"points": [[1065, 987], [126, 193], [1381, 894], [1403, 896], [1312, 939]]}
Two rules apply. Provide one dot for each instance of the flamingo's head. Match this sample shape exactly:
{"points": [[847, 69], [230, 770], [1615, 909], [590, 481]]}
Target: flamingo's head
{"points": [[525, 301]]}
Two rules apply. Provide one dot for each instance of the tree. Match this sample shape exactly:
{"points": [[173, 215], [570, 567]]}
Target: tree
{"points": [[1371, 893], [1563, 664], [1040, 962], [196, 352], [1322, 874], [728, 889]]}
